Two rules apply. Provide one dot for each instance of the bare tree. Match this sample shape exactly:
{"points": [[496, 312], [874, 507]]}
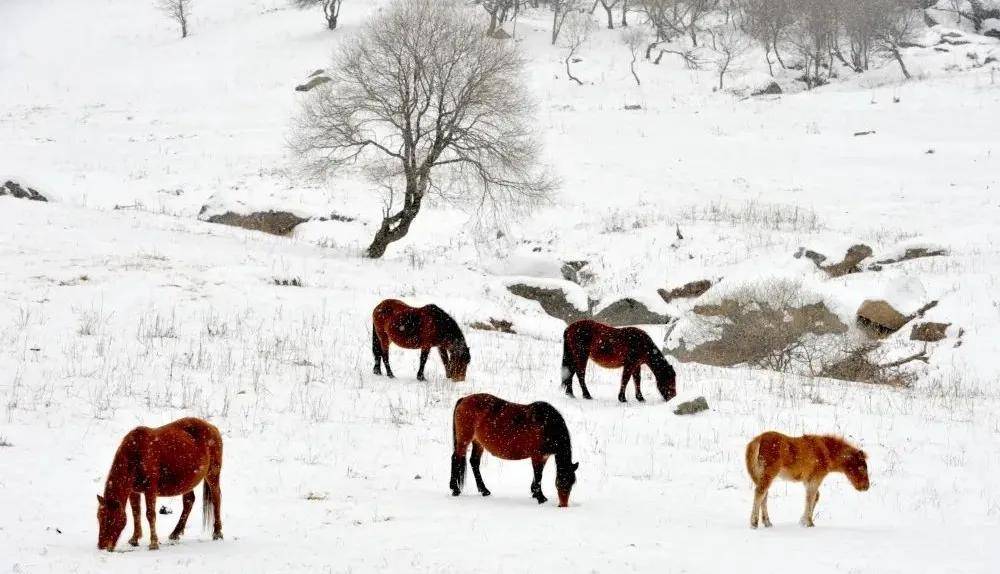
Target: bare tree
{"points": [[331, 9], [813, 30], [767, 21], [897, 26], [579, 27], [500, 11], [177, 10], [560, 10], [634, 38], [608, 6], [426, 105], [730, 43]]}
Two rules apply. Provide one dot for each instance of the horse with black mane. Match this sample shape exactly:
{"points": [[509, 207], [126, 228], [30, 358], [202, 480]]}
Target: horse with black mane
{"points": [[512, 432], [419, 328], [627, 348], [167, 461]]}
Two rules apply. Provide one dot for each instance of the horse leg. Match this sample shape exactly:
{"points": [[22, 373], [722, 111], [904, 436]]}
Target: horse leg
{"points": [[383, 347], [763, 512], [760, 499], [626, 375], [477, 455], [444, 359], [538, 464], [812, 497], [637, 378], [462, 438], [424, 353], [182, 521], [154, 542], [134, 500], [581, 372], [215, 492]]}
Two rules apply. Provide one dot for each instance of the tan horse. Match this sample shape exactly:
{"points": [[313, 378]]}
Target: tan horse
{"points": [[167, 461], [808, 459]]}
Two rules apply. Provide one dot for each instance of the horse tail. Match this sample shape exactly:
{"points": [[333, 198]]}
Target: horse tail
{"points": [[753, 459], [376, 345], [457, 459], [207, 508], [568, 364]]}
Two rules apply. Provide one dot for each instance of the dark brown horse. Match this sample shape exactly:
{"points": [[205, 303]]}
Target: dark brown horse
{"points": [[167, 461], [419, 328], [808, 459], [512, 432], [627, 349]]}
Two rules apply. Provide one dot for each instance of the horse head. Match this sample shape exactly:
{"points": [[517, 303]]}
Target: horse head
{"points": [[856, 469], [459, 358], [666, 377], [111, 521], [565, 479]]}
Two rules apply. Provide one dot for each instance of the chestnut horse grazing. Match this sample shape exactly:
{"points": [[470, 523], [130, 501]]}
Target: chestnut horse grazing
{"points": [[612, 348], [167, 461], [419, 328], [512, 432], [808, 459]]}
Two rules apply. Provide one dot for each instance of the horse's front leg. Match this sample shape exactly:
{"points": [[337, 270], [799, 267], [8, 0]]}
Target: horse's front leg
{"points": [[474, 460], [812, 497], [538, 464], [134, 501], [637, 379], [581, 375], [154, 542], [385, 356], [424, 353]]}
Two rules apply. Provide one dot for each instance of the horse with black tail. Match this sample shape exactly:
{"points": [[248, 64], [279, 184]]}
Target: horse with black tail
{"points": [[419, 328], [512, 432], [626, 348]]}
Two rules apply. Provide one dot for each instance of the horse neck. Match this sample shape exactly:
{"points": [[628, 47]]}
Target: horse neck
{"points": [[654, 358], [558, 436], [447, 328], [838, 451], [122, 476]]}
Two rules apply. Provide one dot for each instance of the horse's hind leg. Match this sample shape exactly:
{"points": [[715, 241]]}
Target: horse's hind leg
{"points": [[384, 349], [538, 464], [763, 512], [182, 521], [376, 351], [477, 455], [424, 353], [462, 437], [626, 375], [134, 501], [154, 542]]}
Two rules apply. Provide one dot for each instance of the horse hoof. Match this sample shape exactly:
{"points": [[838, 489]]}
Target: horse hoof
{"points": [[641, 399], [175, 537], [456, 492], [588, 397], [622, 399], [217, 536], [485, 492], [767, 524], [421, 378], [154, 545], [133, 542], [542, 500]]}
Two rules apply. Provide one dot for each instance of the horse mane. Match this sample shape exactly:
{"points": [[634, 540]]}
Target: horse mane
{"points": [[657, 362], [445, 324], [838, 447], [555, 432]]}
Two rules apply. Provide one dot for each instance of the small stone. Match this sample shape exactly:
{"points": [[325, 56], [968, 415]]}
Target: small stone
{"points": [[692, 407]]}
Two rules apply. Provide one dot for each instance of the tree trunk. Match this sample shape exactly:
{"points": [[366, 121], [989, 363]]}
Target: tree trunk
{"points": [[611, 20], [635, 75], [767, 57], [569, 73], [396, 226], [331, 10], [624, 13], [899, 60], [184, 29]]}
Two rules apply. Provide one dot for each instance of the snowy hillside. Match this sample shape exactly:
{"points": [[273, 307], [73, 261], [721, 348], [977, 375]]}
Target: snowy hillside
{"points": [[120, 307]]}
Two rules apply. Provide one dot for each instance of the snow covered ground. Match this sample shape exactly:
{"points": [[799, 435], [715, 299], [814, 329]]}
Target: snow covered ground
{"points": [[114, 318]]}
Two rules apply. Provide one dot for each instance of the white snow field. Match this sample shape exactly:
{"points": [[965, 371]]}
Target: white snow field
{"points": [[113, 318]]}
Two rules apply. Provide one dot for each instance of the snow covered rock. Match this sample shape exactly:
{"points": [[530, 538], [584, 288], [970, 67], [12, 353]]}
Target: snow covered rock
{"points": [[273, 222], [851, 263], [881, 315], [769, 90], [558, 299], [629, 311], [691, 407], [929, 331], [687, 291], [14, 189]]}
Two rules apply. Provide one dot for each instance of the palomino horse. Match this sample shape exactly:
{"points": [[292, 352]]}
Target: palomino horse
{"points": [[808, 459], [418, 328], [167, 461], [512, 432], [627, 348]]}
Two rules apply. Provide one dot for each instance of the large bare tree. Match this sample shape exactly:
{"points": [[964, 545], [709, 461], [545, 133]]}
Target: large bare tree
{"points": [[331, 9], [177, 10], [425, 104]]}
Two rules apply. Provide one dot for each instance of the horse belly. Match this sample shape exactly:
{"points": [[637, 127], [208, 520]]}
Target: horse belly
{"points": [[509, 446], [608, 360], [181, 467]]}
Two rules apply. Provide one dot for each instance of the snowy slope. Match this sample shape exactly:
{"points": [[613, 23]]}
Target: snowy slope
{"points": [[114, 318]]}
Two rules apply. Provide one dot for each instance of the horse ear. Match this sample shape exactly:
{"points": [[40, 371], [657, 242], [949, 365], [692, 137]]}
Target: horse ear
{"points": [[576, 465], [100, 500]]}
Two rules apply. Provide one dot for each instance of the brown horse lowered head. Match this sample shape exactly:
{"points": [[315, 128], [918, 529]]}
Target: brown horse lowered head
{"points": [[627, 349], [808, 459], [512, 432], [167, 461], [419, 328]]}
